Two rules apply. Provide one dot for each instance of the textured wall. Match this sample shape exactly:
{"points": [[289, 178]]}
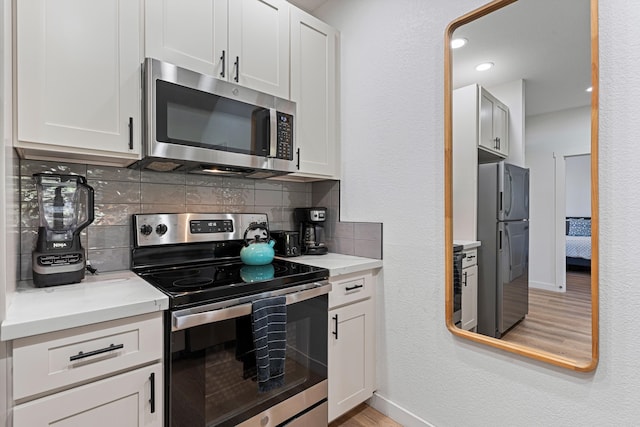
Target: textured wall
{"points": [[392, 129]]}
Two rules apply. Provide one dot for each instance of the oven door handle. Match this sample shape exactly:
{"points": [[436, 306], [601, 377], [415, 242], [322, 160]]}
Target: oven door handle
{"points": [[185, 319]]}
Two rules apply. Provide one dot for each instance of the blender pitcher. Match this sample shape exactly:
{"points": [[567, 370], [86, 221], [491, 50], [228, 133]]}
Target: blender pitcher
{"points": [[65, 203]]}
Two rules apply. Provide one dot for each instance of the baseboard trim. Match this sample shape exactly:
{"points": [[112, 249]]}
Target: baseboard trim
{"points": [[395, 412]]}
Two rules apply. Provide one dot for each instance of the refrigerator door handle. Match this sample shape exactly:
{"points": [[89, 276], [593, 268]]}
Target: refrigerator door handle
{"points": [[500, 240]]}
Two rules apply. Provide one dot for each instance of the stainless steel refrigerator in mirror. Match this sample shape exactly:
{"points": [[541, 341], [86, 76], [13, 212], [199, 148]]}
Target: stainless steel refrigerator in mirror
{"points": [[503, 257]]}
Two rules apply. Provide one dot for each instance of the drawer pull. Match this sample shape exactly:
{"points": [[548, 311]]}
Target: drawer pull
{"points": [[152, 399], [350, 288], [82, 355]]}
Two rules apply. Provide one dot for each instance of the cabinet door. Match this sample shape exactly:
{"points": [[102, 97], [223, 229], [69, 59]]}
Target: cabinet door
{"points": [[188, 33], [313, 88], [501, 127], [351, 350], [131, 399], [259, 45], [78, 78], [494, 117], [487, 139], [469, 315]]}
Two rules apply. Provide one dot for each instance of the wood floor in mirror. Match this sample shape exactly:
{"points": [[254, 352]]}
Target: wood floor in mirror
{"points": [[548, 310]]}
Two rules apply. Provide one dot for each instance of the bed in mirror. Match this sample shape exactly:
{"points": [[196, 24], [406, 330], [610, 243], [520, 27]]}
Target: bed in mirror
{"points": [[521, 179]]}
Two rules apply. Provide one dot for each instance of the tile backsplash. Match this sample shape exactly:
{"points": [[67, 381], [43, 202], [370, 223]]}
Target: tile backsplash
{"points": [[121, 192]]}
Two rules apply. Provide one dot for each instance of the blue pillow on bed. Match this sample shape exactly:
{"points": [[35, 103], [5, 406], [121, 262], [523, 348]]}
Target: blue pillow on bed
{"points": [[579, 227]]}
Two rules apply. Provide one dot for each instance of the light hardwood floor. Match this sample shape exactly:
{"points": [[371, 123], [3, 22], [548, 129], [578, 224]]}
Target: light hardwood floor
{"points": [[364, 416], [559, 323]]}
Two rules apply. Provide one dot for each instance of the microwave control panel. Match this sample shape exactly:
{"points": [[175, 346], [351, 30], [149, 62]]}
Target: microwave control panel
{"points": [[285, 136]]}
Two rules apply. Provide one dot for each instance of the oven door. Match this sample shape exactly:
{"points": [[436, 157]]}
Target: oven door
{"points": [[211, 366]]}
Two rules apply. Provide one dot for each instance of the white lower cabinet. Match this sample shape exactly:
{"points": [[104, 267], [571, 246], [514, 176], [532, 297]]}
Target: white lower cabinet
{"points": [[351, 350], [130, 399], [103, 374], [469, 303]]}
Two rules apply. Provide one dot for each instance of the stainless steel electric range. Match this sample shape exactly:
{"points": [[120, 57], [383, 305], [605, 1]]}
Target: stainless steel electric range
{"points": [[210, 351]]}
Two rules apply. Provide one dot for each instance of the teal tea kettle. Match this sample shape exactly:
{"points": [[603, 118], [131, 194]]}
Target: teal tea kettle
{"points": [[259, 249]]}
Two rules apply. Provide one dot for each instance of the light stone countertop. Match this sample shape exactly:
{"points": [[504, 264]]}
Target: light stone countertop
{"points": [[467, 244], [100, 298], [338, 264]]}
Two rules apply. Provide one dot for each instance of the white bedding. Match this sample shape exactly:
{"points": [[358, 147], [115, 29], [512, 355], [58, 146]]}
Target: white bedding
{"points": [[579, 246]]}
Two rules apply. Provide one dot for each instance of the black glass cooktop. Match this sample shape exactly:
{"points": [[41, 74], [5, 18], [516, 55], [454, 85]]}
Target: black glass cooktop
{"points": [[221, 280]]}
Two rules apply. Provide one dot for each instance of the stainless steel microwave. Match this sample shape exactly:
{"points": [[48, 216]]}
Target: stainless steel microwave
{"points": [[201, 124]]}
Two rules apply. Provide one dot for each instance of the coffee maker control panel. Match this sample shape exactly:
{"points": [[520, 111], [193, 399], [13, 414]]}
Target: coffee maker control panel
{"points": [[317, 215]]}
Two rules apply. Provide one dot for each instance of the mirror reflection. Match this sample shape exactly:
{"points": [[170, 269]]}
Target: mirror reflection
{"points": [[522, 221]]}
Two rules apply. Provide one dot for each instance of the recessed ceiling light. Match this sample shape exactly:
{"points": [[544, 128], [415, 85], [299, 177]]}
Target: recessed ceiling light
{"points": [[589, 89], [484, 66], [457, 43]]}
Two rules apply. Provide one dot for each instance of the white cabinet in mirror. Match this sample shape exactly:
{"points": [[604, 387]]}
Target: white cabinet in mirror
{"points": [[511, 119]]}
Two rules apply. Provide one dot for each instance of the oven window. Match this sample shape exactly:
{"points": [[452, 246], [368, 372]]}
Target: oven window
{"points": [[191, 117], [212, 371]]}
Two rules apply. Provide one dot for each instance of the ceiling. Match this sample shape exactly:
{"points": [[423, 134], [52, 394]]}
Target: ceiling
{"points": [[544, 42]]}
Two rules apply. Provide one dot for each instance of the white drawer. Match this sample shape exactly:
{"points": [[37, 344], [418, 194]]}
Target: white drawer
{"points": [[350, 288], [470, 258], [56, 360]]}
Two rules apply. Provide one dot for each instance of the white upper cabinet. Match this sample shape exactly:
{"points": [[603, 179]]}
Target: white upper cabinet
{"points": [[78, 80], [494, 116], [189, 33], [313, 88], [242, 41]]}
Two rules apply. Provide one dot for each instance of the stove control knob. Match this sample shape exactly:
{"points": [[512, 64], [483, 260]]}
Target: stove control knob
{"points": [[146, 229], [161, 229]]}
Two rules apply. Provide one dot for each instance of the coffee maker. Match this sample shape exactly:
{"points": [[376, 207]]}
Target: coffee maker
{"points": [[311, 222], [65, 203]]}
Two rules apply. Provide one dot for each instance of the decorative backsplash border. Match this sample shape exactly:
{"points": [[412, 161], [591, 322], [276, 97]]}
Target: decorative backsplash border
{"points": [[121, 192]]}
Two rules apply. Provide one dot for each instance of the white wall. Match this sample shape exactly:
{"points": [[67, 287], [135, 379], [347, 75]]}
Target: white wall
{"points": [[578, 185], [551, 137], [392, 131]]}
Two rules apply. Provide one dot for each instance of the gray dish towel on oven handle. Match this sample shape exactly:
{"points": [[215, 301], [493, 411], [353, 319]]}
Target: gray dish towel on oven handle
{"points": [[269, 322]]}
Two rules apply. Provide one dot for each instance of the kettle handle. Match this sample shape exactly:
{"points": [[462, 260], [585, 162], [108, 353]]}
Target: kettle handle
{"points": [[255, 226]]}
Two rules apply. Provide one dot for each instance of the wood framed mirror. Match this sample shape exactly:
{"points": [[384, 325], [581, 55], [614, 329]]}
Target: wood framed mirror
{"points": [[522, 107]]}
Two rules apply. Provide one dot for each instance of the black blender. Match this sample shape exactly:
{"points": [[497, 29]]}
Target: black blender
{"points": [[65, 203]]}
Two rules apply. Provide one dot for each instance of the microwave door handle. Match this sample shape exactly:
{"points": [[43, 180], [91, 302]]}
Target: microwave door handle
{"points": [[273, 132]]}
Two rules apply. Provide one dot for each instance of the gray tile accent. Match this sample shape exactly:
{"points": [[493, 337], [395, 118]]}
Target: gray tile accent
{"points": [[109, 237], [115, 191], [114, 213], [162, 193], [121, 192], [269, 198], [110, 259], [368, 231], [107, 173], [367, 249], [163, 178]]}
